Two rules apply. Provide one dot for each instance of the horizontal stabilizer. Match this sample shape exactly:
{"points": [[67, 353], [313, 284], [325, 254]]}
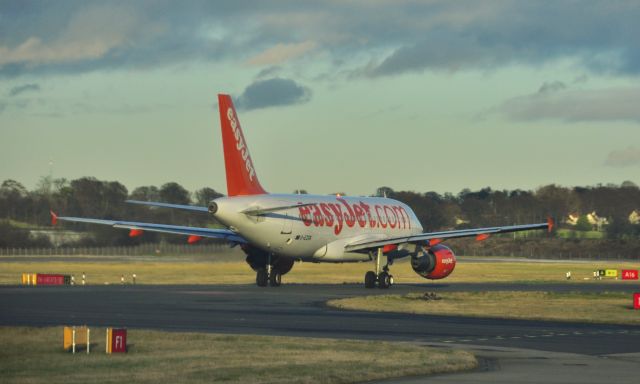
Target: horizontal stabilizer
{"points": [[264, 211]]}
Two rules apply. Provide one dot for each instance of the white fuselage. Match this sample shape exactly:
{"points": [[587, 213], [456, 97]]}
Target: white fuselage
{"points": [[317, 232]]}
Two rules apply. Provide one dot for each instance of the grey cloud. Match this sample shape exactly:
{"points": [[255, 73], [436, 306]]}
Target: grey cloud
{"points": [[13, 104], [82, 36], [17, 90], [499, 33], [273, 92], [553, 86], [557, 101], [396, 36], [444, 52], [629, 156], [269, 71]]}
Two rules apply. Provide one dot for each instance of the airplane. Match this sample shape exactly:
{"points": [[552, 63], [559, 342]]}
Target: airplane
{"points": [[275, 230]]}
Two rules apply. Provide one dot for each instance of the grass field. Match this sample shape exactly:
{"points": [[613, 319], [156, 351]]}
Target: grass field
{"points": [[35, 355], [176, 272], [573, 234], [606, 307]]}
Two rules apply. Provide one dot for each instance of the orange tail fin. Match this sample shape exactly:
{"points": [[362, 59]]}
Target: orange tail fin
{"points": [[241, 174]]}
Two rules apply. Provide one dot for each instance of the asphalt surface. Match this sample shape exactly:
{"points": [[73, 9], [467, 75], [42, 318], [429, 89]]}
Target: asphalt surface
{"points": [[300, 310]]}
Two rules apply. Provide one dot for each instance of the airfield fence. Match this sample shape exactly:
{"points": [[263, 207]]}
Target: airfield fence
{"points": [[166, 249], [151, 249], [564, 255]]}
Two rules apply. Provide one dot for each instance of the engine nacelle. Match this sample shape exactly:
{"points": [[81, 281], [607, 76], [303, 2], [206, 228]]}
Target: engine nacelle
{"points": [[257, 259], [434, 263]]}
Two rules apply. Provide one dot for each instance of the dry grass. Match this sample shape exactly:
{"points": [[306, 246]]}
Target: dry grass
{"points": [[34, 355], [606, 307], [188, 272], [146, 272]]}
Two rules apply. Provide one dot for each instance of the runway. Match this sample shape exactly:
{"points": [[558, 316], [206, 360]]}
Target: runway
{"points": [[300, 310]]}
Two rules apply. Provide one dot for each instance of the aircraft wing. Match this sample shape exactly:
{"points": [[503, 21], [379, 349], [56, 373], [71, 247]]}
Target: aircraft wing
{"points": [[224, 234], [435, 237], [167, 205]]}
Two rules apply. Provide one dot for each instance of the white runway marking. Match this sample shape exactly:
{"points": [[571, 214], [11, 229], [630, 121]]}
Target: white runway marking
{"points": [[552, 334]]}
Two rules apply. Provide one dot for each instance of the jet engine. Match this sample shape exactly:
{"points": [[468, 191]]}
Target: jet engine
{"points": [[257, 259], [434, 263]]}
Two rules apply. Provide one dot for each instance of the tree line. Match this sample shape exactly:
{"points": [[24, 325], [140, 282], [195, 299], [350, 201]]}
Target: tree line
{"points": [[488, 207], [22, 210]]}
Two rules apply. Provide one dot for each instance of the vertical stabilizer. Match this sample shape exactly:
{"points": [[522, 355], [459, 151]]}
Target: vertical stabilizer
{"points": [[241, 174]]}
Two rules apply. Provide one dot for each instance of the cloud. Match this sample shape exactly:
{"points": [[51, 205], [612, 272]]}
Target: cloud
{"points": [[90, 34], [554, 86], [269, 72], [83, 36], [495, 34], [281, 53], [17, 103], [557, 101], [623, 158], [379, 38], [17, 90], [273, 92], [450, 53]]}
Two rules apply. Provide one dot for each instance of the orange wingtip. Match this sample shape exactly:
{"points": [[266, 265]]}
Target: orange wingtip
{"points": [[433, 242], [482, 236], [550, 224], [135, 232], [54, 218], [389, 248]]}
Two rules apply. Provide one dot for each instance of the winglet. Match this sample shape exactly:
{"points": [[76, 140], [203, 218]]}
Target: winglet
{"points": [[241, 174], [550, 224], [54, 218]]}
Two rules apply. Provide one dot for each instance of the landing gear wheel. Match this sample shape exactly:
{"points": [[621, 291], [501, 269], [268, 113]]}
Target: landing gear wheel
{"points": [[370, 279], [384, 280], [275, 279], [262, 278]]}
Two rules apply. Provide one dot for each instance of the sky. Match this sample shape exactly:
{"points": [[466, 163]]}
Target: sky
{"points": [[333, 96]]}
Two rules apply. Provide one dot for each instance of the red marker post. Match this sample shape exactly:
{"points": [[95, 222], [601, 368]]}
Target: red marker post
{"points": [[116, 340], [50, 279]]}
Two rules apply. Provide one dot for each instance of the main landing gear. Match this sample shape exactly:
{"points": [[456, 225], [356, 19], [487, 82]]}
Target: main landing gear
{"points": [[382, 278], [268, 276], [263, 278]]}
